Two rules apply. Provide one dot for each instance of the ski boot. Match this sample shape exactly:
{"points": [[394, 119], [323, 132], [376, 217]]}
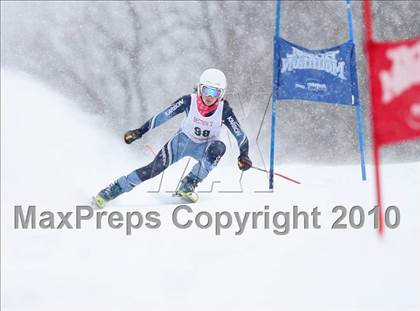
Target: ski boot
{"points": [[186, 188], [107, 194]]}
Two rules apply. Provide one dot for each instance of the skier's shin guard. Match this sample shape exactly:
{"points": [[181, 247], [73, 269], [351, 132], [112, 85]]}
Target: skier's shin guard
{"points": [[127, 183], [213, 153]]}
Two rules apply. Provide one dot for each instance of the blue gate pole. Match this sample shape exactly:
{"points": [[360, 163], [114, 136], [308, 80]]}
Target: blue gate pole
{"points": [[350, 20], [274, 99], [362, 152], [356, 100]]}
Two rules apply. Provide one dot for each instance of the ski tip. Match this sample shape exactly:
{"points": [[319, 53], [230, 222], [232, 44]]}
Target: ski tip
{"points": [[98, 202], [189, 197]]}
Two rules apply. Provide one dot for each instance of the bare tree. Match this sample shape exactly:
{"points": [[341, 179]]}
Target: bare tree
{"points": [[126, 60]]}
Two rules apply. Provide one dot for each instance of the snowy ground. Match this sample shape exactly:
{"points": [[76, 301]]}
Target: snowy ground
{"points": [[55, 157]]}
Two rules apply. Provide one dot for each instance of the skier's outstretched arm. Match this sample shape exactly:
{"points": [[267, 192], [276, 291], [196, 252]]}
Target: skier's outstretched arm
{"points": [[180, 105], [230, 120]]}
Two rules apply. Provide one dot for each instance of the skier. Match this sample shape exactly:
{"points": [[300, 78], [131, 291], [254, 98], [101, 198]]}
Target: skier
{"points": [[198, 137]]}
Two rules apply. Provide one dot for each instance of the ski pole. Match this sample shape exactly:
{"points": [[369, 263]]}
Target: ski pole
{"points": [[277, 174]]}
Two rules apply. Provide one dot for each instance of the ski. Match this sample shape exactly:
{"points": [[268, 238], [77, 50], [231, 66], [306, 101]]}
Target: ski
{"points": [[98, 201], [190, 197]]}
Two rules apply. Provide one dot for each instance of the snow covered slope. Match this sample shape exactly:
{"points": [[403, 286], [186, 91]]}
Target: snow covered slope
{"points": [[55, 157]]}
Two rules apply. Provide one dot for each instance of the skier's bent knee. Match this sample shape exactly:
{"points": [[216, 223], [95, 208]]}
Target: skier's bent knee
{"points": [[215, 151]]}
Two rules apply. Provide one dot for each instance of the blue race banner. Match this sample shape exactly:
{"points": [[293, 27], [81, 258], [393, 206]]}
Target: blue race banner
{"points": [[327, 75]]}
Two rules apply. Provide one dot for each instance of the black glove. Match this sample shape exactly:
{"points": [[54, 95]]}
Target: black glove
{"points": [[244, 162], [132, 135]]}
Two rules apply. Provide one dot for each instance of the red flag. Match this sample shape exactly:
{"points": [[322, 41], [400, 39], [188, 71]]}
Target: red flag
{"points": [[395, 84], [394, 91]]}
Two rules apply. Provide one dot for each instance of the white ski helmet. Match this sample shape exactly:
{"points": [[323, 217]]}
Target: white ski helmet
{"points": [[213, 78]]}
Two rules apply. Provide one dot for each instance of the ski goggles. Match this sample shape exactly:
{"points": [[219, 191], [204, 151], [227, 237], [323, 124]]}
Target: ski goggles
{"points": [[211, 91]]}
